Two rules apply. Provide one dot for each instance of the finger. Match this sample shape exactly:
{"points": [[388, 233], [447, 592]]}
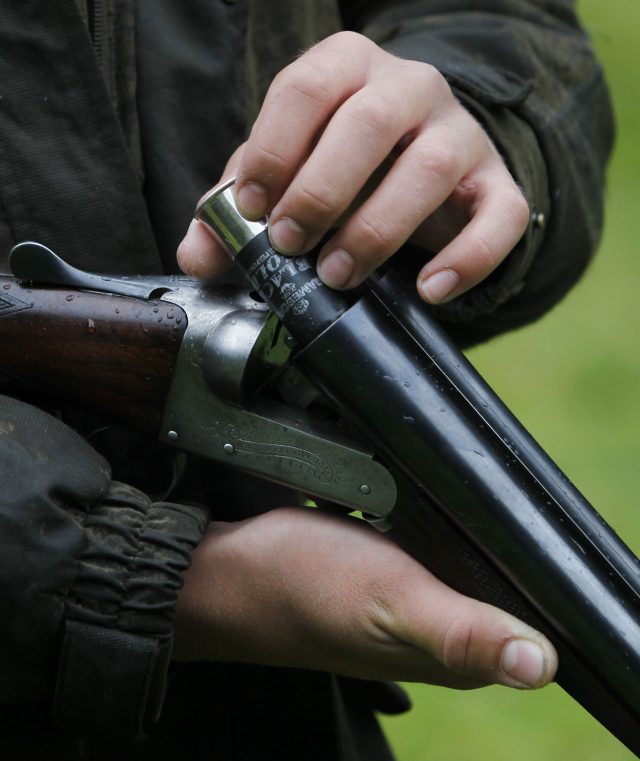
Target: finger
{"points": [[441, 227], [471, 643], [500, 220], [200, 253], [418, 183], [298, 104], [358, 139]]}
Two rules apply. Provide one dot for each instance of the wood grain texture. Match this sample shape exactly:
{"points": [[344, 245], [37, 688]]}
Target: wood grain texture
{"points": [[111, 355]]}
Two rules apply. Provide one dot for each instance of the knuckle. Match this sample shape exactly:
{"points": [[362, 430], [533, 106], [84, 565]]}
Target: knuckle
{"points": [[303, 78], [379, 600], [429, 76], [351, 40], [457, 643], [375, 237], [429, 80], [379, 613], [316, 200], [445, 162], [484, 254], [270, 156], [377, 112]]}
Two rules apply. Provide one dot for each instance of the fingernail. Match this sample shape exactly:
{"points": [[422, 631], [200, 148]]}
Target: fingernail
{"points": [[287, 236], [523, 662], [336, 269], [437, 287], [252, 200]]}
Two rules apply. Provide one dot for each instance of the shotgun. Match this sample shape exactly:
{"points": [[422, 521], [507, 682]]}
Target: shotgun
{"points": [[263, 379]]}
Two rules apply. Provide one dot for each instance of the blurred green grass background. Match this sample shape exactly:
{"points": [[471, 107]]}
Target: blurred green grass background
{"points": [[573, 379]]}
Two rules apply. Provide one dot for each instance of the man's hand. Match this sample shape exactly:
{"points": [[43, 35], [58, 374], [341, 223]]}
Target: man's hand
{"points": [[303, 588], [349, 133]]}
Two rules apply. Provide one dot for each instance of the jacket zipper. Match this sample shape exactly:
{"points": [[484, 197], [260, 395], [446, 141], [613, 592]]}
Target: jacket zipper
{"points": [[96, 12]]}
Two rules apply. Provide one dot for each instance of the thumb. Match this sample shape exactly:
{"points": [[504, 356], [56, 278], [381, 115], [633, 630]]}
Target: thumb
{"points": [[200, 254], [468, 643]]}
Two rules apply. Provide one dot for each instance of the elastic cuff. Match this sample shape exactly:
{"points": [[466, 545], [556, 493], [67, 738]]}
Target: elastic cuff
{"points": [[119, 612]]}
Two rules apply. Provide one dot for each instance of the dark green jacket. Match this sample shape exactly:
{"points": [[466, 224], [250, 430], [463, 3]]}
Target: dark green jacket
{"points": [[105, 145], [522, 66]]}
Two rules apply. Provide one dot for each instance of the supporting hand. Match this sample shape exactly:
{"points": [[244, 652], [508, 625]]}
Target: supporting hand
{"points": [[302, 588]]}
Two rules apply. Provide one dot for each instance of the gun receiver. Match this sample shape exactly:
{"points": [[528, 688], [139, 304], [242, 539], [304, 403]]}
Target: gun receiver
{"points": [[442, 466]]}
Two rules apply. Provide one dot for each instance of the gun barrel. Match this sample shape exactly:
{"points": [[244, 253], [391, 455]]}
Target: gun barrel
{"points": [[517, 534]]}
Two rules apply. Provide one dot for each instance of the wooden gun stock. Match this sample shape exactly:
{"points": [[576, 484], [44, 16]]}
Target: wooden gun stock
{"points": [[107, 353]]}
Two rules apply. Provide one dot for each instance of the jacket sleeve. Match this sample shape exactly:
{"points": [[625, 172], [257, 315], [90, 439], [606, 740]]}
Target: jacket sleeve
{"points": [[89, 579], [526, 70]]}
